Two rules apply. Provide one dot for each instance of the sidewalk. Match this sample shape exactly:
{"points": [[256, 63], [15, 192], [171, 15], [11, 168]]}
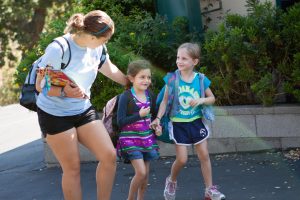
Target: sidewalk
{"points": [[23, 176]]}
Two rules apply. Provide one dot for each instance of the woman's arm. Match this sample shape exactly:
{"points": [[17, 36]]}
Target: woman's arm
{"points": [[52, 57], [112, 71], [67, 91]]}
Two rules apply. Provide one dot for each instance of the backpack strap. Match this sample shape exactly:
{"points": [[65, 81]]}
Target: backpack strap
{"points": [[173, 84], [201, 79], [64, 45], [103, 57], [130, 102], [153, 110]]}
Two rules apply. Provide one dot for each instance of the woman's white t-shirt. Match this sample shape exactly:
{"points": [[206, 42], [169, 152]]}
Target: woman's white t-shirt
{"points": [[83, 69]]}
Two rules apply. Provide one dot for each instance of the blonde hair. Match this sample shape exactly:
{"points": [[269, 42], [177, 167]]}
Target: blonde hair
{"points": [[192, 49], [96, 23], [136, 66]]}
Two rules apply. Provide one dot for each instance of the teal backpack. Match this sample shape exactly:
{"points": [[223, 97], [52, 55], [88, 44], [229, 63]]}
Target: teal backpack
{"points": [[164, 121]]}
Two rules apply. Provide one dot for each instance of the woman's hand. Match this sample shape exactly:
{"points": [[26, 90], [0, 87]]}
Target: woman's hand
{"points": [[144, 111], [197, 102], [73, 91], [128, 84], [40, 72]]}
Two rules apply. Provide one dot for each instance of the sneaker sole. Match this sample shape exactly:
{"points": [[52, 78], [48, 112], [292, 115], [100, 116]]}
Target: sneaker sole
{"points": [[167, 197], [208, 198]]}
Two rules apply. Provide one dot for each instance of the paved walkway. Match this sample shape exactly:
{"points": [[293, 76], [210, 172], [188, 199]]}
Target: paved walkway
{"points": [[23, 175]]}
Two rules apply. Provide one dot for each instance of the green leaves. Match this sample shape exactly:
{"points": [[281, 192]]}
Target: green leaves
{"points": [[264, 89], [255, 55]]}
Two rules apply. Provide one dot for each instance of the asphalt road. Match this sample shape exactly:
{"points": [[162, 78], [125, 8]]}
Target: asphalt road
{"points": [[242, 176]]}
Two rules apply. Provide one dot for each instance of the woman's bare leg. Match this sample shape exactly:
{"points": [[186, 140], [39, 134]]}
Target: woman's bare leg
{"points": [[65, 148], [95, 137]]}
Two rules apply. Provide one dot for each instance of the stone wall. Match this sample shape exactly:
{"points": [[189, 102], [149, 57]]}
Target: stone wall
{"points": [[238, 129]]}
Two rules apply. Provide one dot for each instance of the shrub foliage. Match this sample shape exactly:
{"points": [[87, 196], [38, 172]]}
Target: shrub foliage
{"points": [[255, 58], [251, 59]]}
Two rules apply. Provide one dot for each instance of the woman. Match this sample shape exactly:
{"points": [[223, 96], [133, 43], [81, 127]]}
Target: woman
{"points": [[66, 115]]}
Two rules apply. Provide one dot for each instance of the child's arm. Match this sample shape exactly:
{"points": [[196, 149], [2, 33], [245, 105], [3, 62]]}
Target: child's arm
{"points": [[163, 105], [209, 97], [161, 110], [122, 118], [208, 100]]}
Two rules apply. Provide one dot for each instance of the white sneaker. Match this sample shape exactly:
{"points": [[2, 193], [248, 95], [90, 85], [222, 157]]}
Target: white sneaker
{"points": [[170, 189], [212, 193]]}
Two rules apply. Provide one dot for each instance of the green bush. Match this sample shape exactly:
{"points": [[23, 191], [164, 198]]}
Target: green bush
{"points": [[141, 30], [140, 33], [289, 66], [54, 30], [104, 88], [154, 38], [251, 58]]}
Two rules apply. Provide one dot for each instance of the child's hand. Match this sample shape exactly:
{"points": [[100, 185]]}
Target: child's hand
{"points": [[144, 111], [197, 102], [154, 123], [158, 130]]}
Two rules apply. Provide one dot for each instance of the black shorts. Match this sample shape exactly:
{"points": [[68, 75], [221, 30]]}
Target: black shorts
{"points": [[188, 133], [52, 125]]}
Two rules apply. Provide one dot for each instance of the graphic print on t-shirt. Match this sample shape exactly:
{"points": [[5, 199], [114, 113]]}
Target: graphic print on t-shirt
{"points": [[186, 94]]}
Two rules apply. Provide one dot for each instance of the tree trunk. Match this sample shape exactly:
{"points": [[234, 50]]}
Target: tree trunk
{"points": [[34, 28]]}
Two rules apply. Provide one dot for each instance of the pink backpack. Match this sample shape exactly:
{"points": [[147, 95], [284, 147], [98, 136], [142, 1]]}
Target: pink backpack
{"points": [[109, 118]]}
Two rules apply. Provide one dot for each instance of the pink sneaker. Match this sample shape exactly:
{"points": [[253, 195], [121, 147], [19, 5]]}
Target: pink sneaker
{"points": [[170, 189], [212, 193]]}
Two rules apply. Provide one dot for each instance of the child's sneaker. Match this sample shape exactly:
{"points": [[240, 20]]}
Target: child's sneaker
{"points": [[212, 193], [170, 189]]}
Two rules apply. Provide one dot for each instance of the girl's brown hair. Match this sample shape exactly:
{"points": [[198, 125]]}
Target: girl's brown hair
{"points": [[96, 23], [136, 66]]}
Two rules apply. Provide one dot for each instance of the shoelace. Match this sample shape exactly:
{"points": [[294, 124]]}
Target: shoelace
{"points": [[214, 190]]}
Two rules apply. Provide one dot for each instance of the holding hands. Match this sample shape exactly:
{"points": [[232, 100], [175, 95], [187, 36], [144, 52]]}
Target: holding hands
{"points": [[155, 125]]}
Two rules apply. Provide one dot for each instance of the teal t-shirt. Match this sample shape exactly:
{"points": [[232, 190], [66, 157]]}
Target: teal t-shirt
{"points": [[186, 92]]}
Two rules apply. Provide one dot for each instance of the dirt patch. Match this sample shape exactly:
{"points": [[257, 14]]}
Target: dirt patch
{"points": [[293, 154]]}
